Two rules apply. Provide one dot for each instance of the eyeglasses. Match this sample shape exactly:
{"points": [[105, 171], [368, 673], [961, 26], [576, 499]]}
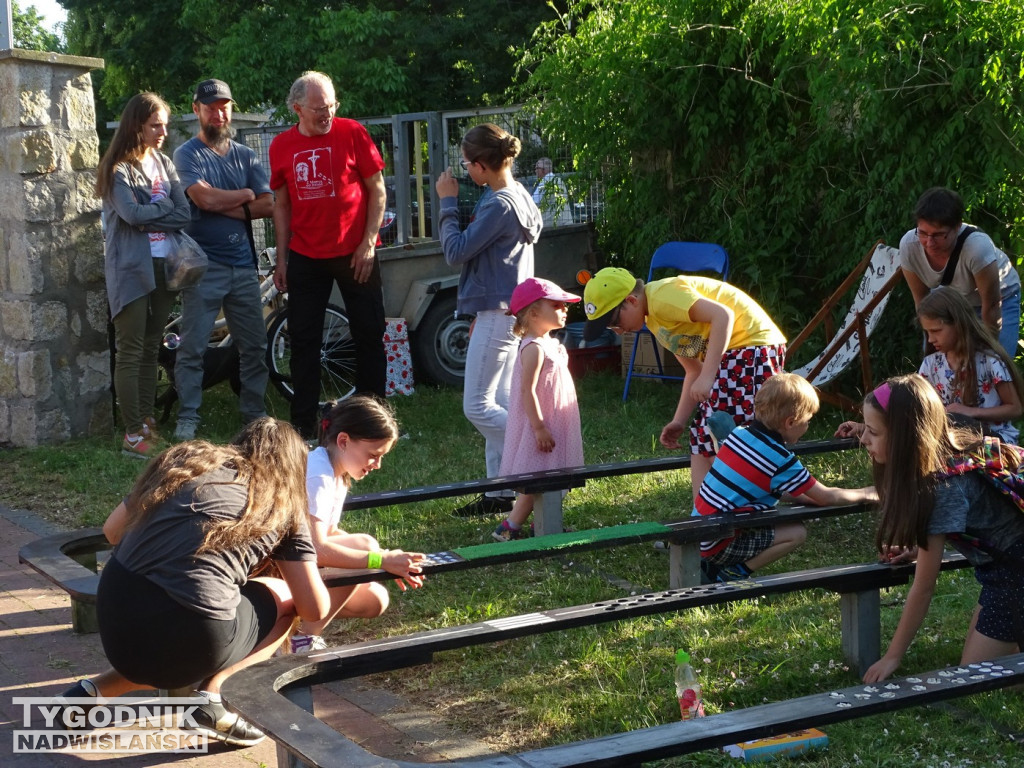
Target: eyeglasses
{"points": [[466, 163], [933, 235], [325, 110]]}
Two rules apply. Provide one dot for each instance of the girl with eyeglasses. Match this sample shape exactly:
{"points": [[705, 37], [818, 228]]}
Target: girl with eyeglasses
{"points": [[495, 253]]}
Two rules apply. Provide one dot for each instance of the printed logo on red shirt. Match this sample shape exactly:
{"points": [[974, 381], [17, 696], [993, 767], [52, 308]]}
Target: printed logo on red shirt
{"points": [[313, 176]]}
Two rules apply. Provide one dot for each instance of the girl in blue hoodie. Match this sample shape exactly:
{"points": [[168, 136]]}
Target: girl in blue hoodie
{"points": [[496, 254]]}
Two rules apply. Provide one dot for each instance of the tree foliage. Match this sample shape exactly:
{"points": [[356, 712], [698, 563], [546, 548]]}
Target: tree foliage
{"points": [[29, 32], [385, 56], [793, 132]]}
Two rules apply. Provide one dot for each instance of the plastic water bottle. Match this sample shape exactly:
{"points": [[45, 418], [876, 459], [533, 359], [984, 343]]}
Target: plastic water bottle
{"points": [[691, 703]]}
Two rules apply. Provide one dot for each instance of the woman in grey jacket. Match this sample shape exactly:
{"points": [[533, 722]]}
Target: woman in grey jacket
{"points": [[142, 201], [496, 254]]}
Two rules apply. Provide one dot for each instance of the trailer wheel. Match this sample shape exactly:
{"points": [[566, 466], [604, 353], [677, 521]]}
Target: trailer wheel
{"points": [[440, 342]]}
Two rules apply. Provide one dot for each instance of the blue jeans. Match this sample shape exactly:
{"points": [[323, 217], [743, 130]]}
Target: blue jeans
{"points": [[310, 282], [1010, 332], [489, 361], [138, 333], [237, 291]]}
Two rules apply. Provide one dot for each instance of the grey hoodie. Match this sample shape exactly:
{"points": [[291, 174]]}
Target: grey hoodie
{"points": [[495, 250]]}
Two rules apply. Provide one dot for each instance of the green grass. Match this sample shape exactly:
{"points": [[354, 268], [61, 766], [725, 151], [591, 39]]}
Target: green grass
{"points": [[594, 681]]}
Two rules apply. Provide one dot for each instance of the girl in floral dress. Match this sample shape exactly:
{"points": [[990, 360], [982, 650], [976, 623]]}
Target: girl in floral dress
{"points": [[969, 369]]}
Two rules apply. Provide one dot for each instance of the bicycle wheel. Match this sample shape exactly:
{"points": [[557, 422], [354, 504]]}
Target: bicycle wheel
{"points": [[337, 356]]}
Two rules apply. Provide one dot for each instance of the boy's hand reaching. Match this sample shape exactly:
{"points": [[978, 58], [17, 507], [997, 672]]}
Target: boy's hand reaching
{"points": [[850, 429], [671, 433], [700, 390]]}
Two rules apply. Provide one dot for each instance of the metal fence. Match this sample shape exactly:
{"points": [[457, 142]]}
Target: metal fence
{"points": [[417, 147]]}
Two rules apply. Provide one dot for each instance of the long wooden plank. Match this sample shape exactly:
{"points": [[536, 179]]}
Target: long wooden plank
{"points": [[305, 737], [686, 530], [558, 479], [820, 709]]}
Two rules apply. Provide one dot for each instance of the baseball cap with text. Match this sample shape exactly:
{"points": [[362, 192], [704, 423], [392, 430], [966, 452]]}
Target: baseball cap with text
{"points": [[210, 91]]}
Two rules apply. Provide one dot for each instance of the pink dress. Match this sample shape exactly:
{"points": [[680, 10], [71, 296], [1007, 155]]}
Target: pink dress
{"points": [[556, 394]]}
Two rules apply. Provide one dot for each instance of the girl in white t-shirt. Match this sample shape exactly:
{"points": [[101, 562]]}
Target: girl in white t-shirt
{"points": [[355, 435], [969, 369]]}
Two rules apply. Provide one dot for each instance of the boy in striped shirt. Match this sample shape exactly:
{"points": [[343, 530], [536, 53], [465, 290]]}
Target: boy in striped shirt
{"points": [[751, 472]]}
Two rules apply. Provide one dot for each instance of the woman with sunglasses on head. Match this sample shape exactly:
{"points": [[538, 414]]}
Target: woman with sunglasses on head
{"points": [[943, 250], [495, 253]]}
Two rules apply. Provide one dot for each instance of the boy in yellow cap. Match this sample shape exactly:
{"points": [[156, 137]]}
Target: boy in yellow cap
{"points": [[727, 344]]}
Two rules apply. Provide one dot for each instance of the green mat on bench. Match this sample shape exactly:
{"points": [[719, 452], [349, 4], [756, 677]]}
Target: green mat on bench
{"points": [[563, 540]]}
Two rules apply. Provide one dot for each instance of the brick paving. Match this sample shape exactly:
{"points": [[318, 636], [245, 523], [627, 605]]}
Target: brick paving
{"points": [[41, 656]]}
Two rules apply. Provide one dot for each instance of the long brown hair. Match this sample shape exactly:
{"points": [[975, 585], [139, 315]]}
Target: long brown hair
{"points": [[128, 144], [949, 307], [275, 471], [920, 441], [270, 460]]}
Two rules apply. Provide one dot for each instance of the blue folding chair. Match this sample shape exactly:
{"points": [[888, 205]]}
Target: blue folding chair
{"points": [[682, 257]]}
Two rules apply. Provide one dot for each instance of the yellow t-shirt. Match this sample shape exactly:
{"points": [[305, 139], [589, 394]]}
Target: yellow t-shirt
{"points": [[668, 316]]}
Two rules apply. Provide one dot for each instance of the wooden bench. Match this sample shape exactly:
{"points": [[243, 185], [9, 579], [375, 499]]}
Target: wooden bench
{"points": [[69, 561], [547, 487], [303, 740]]}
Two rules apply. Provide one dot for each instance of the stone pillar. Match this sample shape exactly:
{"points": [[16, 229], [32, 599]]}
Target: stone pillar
{"points": [[54, 358]]}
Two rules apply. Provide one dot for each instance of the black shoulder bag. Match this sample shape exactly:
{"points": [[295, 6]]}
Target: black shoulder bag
{"points": [[954, 257]]}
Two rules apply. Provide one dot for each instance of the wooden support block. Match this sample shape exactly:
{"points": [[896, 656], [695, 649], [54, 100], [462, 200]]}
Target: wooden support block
{"points": [[83, 617], [861, 627], [683, 565], [301, 697], [547, 513]]}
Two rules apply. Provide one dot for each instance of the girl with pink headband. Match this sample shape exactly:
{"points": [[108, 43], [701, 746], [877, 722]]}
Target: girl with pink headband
{"points": [[911, 444]]}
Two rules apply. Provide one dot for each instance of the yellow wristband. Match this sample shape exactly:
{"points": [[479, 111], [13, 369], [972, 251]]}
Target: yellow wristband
{"points": [[373, 560]]}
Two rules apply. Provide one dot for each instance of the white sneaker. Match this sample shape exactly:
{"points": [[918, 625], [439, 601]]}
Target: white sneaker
{"points": [[306, 643], [186, 430]]}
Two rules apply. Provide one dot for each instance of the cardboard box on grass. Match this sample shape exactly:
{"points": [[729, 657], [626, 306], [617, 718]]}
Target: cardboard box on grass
{"points": [[645, 361], [788, 744]]}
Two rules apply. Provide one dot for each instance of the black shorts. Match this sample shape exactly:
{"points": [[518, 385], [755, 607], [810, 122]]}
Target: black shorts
{"points": [[1002, 597], [153, 640]]}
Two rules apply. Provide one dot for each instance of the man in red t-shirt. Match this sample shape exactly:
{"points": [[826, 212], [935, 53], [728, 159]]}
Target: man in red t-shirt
{"points": [[326, 174]]}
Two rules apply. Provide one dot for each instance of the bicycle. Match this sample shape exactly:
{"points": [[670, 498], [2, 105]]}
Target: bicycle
{"points": [[220, 360]]}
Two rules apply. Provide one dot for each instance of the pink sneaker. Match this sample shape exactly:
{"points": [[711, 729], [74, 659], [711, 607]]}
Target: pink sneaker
{"points": [[138, 446]]}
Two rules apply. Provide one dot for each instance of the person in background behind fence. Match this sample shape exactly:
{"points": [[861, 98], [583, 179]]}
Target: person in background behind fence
{"points": [[551, 196], [329, 198], [496, 254], [142, 201], [228, 189]]}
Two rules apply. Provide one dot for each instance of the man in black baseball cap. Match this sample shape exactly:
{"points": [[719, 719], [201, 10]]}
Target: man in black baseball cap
{"points": [[210, 91], [228, 188]]}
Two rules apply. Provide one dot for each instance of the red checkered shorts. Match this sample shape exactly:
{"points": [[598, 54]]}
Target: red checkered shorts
{"points": [[740, 375]]}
